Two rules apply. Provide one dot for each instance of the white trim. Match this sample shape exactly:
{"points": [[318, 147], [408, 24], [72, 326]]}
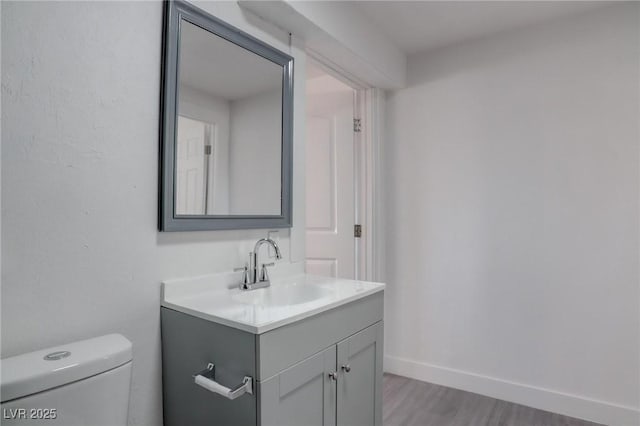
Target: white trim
{"points": [[359, 184], [374, 118], [532, 396], [334, 70], [370, 109]]}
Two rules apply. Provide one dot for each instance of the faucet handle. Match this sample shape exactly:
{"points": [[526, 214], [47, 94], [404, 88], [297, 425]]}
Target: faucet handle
{"points": [[264, 274], [245, 273]]}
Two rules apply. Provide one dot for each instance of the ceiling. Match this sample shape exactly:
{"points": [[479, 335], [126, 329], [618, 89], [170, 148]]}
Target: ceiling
{"points": [[417, 26], [220, 68]]}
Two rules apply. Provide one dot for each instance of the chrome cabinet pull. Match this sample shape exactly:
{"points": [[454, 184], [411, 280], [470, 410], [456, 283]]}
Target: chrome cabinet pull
{"points": [[346, 368], [333, 376]]}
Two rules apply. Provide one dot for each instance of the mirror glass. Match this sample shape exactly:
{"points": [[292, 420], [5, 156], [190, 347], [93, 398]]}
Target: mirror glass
{"points": [[228, 148]]}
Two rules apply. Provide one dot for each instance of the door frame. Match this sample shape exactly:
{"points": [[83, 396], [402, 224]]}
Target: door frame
{"points": [[369, 108]]}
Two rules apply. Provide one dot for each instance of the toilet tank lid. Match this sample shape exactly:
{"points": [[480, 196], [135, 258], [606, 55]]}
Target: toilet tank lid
{"points": [[45, 369]]}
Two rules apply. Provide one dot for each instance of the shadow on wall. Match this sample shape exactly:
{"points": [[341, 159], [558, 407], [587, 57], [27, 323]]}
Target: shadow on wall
{"points": [[232, 235]]}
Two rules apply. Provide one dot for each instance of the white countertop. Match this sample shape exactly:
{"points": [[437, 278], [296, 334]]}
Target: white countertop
{"points": [[217, 298]]}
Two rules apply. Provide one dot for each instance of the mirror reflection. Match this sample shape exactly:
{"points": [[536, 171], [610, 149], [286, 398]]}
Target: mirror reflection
{"points": [[229, 128]]}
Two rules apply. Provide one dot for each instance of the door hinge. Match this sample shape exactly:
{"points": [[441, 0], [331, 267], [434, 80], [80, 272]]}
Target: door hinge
{"points": [[207, 150], [357, 231], [357, 125]]}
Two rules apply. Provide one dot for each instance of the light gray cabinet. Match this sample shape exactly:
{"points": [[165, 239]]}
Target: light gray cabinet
{"points": [[324, 370], [340, 386], [304, 394], [359, 385]]}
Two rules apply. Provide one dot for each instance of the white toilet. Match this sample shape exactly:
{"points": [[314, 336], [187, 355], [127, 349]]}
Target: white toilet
{"points": [[84, 383]]}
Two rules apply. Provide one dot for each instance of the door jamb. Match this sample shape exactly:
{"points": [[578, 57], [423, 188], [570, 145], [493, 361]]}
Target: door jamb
{"points": [[370, 104]]}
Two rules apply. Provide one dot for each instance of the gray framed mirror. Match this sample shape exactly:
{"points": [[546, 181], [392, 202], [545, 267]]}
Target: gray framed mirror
{"points": [[227, 126]]}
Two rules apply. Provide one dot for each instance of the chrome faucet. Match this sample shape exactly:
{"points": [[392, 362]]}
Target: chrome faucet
{"points": [[251, 279]]}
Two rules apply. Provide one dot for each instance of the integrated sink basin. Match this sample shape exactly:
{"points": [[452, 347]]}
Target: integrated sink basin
{"points": [[283, 295], [290, 298]]}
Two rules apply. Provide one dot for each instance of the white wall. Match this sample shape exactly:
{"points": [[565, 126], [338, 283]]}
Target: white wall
{"points": [[81, 253], [255, 154], [512, 169]]}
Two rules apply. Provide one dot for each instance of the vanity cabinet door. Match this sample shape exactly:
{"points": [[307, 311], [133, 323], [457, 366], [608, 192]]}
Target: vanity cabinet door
{"points": [[359, 384], [304, 394]]}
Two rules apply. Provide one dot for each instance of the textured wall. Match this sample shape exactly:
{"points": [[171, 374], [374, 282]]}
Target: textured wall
{"points": [[80, 116]]}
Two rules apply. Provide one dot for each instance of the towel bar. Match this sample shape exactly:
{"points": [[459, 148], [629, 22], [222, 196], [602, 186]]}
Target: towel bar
{"points": [[206, 379]]}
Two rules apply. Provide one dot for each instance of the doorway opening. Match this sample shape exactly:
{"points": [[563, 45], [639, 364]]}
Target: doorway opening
{"points": [[339, 179]]}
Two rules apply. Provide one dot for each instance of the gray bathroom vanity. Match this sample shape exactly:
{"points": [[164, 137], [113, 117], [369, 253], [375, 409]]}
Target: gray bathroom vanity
{"points": [[305, 351]]}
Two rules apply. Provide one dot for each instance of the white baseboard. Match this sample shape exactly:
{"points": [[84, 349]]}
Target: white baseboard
{"points": [[543, 399]]}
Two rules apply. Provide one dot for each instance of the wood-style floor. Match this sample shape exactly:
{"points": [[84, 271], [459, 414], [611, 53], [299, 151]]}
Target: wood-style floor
{"points": [[410, 402]]}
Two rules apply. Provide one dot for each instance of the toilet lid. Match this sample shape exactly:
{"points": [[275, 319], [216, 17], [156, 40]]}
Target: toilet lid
{"points": [[44, 369]]}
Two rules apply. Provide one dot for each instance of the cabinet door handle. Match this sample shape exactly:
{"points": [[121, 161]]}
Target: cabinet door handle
{"points": [[346, 368], [333, 376]]}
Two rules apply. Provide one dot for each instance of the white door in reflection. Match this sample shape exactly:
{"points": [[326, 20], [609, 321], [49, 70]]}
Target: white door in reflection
{"points": [[193, 165]]}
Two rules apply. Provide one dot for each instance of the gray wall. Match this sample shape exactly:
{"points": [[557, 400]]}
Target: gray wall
{"points": [[80, 252], [255, 154]]}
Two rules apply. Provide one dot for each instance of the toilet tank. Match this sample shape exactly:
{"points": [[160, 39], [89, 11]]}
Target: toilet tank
{"points": [[82, 383]]}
